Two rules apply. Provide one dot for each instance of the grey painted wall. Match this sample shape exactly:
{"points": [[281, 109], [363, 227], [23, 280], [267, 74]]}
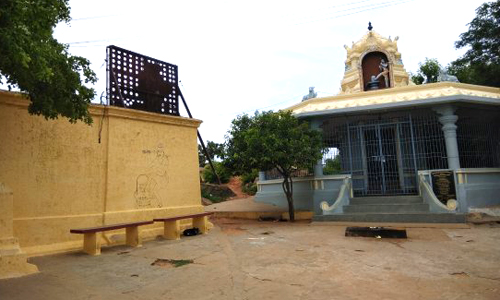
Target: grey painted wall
{"points": [[480, 190], [272, 193], [304, 195]]}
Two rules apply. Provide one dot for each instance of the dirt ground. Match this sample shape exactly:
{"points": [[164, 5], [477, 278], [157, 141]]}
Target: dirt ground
{"points": [[275, 260], [235, 185]]}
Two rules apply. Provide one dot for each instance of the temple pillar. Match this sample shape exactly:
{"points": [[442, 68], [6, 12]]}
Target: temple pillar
{"points": [[13, 262], [318, 167], [448, 119]]}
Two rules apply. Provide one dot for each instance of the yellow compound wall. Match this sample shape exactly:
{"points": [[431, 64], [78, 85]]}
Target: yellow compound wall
{"points": [[127, 166]]}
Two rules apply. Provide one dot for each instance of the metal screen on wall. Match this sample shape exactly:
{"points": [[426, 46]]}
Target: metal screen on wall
{"points": [[141, 82], [478, 138]]}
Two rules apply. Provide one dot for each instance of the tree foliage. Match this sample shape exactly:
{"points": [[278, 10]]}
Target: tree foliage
{"points": [[271, 140], [332, 166], [214, 150], [481, 63], [34, 61], [222, 172], [428, 71]]}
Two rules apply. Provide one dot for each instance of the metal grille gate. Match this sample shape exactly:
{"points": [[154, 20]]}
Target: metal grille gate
{"points": [[382, 158]]}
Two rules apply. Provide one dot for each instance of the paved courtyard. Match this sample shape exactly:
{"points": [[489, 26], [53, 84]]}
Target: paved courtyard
{"points": [[276, 260]]}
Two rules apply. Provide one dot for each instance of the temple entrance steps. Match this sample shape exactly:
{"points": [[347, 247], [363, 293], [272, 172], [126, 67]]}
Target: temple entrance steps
{"points": [[404, 209], [387, 200], [401, 204]]}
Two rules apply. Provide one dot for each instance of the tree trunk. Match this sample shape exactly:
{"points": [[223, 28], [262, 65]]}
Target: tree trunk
{"points": [[288, 189]]}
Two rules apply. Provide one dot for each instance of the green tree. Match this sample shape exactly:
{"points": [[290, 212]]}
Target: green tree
{"points": [[271, 140], [222, 171], [34, 61], [481, 63], [332, 166], [214, 150], [428, 71]]}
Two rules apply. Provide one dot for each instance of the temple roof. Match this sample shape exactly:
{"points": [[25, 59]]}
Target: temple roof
{"points": [[426, 94]]}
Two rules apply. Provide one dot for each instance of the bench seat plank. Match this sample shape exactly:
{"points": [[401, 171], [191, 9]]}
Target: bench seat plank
{"points": [[182, 217], [91, 243], [109, 227]]}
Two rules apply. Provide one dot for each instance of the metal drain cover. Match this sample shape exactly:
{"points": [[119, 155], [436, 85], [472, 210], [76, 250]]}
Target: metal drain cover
{"points": [[376, 232]]}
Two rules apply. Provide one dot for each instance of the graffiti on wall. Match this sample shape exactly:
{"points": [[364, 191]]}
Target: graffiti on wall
{"points": [[151, 185]]}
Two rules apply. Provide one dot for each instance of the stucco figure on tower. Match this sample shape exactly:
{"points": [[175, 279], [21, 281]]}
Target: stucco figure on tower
{"points": [[384, 68]]}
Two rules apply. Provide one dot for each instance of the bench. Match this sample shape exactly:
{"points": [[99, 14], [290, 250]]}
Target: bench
{"points": [[91, 242], [172, 226]]}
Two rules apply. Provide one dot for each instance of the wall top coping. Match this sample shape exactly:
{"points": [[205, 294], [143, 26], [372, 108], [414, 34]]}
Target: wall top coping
{"points": [[302, 179], [97, 110], [464, 171], [395, 95], [478, 170]]}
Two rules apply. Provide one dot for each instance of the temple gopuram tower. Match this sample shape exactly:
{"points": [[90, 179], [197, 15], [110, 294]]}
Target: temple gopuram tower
{"points": [[363, 61]]}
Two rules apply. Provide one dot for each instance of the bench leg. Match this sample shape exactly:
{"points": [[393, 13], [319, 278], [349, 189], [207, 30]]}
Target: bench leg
{"points": [[201, 223], [133, 236], [91, 244], [172, 230]]}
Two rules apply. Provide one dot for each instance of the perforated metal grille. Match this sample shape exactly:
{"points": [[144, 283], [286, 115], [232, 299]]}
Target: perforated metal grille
{"points": [[141, 82], [478, 137]]}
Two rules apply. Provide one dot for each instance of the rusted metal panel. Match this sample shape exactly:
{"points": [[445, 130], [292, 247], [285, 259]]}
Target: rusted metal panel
{"points": [[141, 82]]}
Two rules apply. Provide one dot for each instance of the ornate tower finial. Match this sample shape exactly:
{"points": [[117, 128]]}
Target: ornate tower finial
{"points": [[370, 27]]}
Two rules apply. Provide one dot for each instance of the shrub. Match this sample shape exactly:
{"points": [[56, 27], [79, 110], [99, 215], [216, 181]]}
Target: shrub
{"points": [[332, 166], [249, 188], [249, 177], [209, 176]]}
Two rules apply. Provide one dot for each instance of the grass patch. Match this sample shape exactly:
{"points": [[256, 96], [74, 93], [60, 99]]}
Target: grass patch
{"points": [[181, 262], [166, 263]]}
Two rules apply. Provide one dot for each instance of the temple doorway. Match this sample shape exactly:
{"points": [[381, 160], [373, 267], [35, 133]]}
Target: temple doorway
{"points": [[382, 159], [380, 154]]}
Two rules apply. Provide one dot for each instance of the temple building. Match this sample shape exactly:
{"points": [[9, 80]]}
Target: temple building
{"points": [[397, 152]]}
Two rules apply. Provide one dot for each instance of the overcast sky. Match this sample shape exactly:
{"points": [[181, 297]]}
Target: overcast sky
{"points": [[236, 57]]}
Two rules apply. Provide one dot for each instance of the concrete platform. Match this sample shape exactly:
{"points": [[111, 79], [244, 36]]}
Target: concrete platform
{"points": [[394, 217], [241, 259], [243, 205], [246, 208]]}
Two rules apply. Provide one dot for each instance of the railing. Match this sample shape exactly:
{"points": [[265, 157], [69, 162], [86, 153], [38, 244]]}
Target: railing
{"points": [[342, 199]]}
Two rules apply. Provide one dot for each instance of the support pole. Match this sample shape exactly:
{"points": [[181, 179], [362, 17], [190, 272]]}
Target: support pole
{"points": [[318, 167], [448, 119], [200, 139]]}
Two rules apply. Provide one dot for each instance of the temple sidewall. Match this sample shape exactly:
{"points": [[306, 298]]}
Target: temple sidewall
{"points": [[127, 166], [479, 187], [271, 192], [308, 192]]}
